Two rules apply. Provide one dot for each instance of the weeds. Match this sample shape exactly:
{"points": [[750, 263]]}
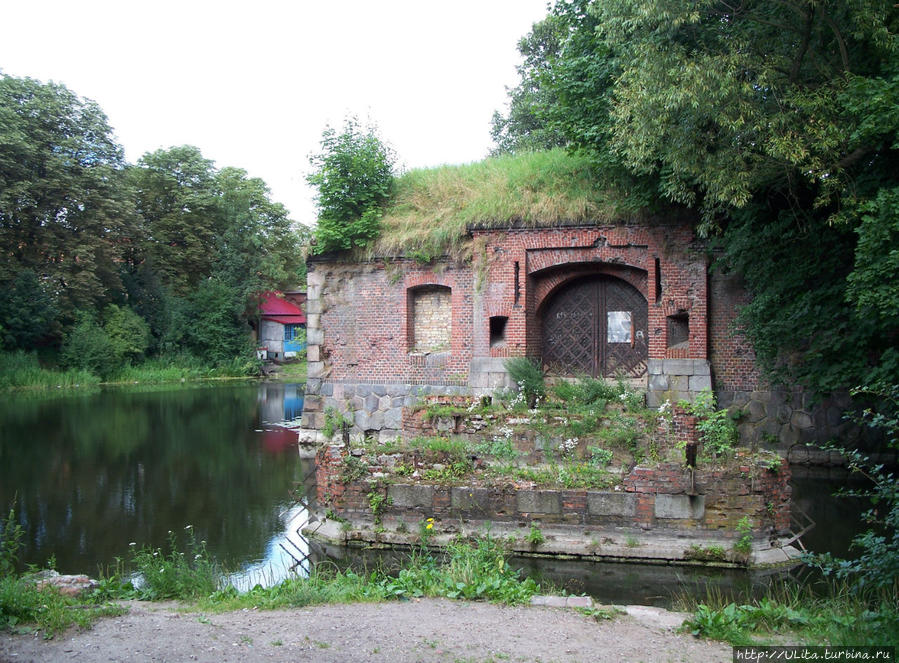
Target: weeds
{"points": [[177, 574], [718, 432], [22, 603], [743, 545], [535, 536], [473, 571]]}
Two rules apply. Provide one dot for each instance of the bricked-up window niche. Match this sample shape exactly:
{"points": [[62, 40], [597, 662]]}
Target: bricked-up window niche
{"points": [[430, 318], [678, 331], [498, 331]]}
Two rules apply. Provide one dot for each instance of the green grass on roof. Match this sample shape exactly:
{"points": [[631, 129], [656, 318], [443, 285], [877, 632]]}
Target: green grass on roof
{"points": [[433, 208]]}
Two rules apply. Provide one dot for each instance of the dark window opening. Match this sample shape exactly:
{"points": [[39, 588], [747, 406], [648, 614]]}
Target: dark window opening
{"points": [[498, 330], [517, 284], [658, 281], [678, 331]]}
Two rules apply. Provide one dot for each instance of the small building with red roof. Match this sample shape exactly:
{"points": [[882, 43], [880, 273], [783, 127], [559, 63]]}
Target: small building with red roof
{"points": [[282, 327]]}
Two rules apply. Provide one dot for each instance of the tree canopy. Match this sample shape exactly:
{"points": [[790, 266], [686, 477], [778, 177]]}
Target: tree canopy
{"points": [[66, 212], [776, 121], [104, 258]]}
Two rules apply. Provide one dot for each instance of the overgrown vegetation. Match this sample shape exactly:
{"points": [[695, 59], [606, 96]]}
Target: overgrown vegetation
{"points": [[861, 604], [676, 104], [431, 209], [353, 177], [586, 433]]}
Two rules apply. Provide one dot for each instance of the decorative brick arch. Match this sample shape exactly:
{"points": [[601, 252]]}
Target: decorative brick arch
{"points": [[546, 282]]}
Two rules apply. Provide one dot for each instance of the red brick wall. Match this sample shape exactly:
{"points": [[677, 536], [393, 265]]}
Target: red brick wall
{"points": [[366, 322], [547, 259], [731, 356], [366, 313]]}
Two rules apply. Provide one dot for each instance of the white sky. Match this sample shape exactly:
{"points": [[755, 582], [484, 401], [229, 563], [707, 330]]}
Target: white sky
{"points": [[253, 84]]}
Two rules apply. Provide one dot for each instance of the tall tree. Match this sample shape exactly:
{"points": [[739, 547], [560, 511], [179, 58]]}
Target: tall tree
{"points": [[65, 211], [177, 197], [258, 248]]}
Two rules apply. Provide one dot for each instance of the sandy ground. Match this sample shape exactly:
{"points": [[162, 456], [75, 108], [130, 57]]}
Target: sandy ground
{"points": [[418, 630]]}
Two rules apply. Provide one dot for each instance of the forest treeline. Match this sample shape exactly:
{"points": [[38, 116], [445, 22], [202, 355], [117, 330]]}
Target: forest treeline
{"points": [[105, 262]]}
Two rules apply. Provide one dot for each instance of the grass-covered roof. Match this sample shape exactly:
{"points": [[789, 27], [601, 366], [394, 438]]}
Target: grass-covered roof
{"points": [[433, 209]]}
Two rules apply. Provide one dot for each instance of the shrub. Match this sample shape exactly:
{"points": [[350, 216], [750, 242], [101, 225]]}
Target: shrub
{"points": [[129, 334], [587, 391], [87, 347], [877, 564], [529, 376], [353, 175], [718, 432]]}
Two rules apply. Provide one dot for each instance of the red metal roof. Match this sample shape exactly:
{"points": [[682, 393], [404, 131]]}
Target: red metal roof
{"points": [[274, 307]]}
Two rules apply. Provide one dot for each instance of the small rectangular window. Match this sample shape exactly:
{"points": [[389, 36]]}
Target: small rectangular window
{"points": [[679, 331], [498, 330], [618, 327]]}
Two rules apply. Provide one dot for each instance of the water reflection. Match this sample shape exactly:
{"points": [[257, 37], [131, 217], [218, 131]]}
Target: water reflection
{"points": [[87, 474]]}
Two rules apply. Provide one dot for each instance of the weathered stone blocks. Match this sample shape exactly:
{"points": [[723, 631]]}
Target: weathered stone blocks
{"points": [[611, 504], [680, 506]]}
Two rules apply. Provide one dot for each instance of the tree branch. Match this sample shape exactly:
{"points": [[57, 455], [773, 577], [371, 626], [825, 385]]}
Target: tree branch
{"points": [[803, 47], [844, 54]]}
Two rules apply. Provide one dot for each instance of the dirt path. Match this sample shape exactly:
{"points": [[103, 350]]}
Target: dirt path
{"points": [[420, 630]]}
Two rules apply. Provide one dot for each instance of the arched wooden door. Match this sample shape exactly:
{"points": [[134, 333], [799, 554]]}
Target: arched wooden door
{"points": [[596, 326]]}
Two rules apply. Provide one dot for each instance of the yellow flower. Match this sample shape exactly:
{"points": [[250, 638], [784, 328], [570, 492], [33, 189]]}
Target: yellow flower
{"points": [[430, 525]]}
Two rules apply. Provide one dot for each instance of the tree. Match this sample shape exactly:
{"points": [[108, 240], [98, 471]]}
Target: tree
{"points": [[65, 211], [177, 198], [353, 174], [777, 122], [258, 249], [213, 239], [28, 313]]}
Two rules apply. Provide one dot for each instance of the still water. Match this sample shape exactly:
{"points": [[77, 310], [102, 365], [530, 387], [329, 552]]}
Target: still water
{"points": [[89, 474]]}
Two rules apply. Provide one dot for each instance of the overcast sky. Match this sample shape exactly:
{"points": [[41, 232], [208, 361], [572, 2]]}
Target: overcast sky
{"points": [[253, 84]]}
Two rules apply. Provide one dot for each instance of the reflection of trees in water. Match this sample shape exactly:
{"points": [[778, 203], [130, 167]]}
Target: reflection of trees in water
{"points": [[92, 474]]}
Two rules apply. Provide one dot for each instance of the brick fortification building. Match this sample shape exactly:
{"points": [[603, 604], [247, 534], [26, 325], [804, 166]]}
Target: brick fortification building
{"points": [[632, 301]]}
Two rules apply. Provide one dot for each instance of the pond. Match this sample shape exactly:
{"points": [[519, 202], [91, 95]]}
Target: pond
{"points": [[88, 474]]}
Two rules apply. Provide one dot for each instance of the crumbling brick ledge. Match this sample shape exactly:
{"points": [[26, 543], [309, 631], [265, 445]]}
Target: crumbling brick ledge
{"points": [[666, 513]]}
